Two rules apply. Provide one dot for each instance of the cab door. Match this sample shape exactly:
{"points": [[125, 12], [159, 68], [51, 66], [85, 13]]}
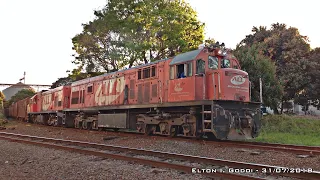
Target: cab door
{"points": [[213, 78], [181, 82]]}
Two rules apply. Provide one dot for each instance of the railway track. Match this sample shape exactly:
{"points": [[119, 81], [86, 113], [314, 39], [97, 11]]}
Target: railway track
{"points": [[296, 149], [221, 168]]}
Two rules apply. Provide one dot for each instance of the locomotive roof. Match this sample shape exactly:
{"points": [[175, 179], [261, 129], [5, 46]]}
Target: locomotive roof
{"points": [[53, 90], [184, 57], [180, 58], [87, 80]]}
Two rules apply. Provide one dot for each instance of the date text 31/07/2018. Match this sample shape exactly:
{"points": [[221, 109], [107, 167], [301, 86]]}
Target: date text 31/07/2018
{"points": [[286, 170]]}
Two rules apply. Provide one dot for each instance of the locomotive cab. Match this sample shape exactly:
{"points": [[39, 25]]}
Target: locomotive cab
{"points": [[226, 78], [232, 115]]}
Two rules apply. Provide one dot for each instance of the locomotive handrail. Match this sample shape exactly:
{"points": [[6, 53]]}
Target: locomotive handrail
{"points": [[214, 88], [204, 86], [219, 83]]}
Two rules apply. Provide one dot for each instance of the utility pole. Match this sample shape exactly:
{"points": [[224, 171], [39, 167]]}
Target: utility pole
{"points": [[260, 82], [24, 78]]}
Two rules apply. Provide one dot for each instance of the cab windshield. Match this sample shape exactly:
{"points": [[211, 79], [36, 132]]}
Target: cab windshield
{"points": [[225, 63], [213, 62]]}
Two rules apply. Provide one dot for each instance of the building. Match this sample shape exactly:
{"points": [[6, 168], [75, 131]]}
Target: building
{"points": [[12, 90]]}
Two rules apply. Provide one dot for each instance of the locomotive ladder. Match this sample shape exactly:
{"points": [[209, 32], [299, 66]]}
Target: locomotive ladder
{"points": [[207, 118]]}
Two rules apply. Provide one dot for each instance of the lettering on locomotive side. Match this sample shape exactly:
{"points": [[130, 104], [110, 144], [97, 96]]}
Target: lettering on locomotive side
{"points": [[237, 80], [59, 95], [102, 99], [47, 101]]}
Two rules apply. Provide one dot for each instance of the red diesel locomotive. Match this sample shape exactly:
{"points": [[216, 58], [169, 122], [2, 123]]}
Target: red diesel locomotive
{"points": [[201, 92]]}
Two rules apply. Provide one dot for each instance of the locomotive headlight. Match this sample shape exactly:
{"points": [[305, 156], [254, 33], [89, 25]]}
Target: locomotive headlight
{"points": [[224, 53]]}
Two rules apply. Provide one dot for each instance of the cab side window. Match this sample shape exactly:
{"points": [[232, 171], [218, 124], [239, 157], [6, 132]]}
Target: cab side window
{"points": [[184, 70], [213, 62], [225, 63], [200, 66]]}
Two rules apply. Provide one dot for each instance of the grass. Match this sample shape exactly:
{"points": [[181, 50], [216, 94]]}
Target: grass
{"points": [[290, 130]]}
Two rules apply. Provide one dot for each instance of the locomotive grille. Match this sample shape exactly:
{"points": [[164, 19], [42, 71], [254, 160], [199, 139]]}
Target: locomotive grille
{"points": [[132, 95], [140, 93], [154, 90], [146, 92]]}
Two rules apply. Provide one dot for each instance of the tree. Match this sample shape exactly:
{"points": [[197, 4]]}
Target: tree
{"points": [[210, 41], [314, 73], [61, 82], [75, 75], [258, 66], [310, 95], [2, 97], [128, 33], [22, 94], [288, 49]]}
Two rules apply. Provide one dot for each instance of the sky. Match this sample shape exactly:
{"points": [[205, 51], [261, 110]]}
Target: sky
{"points": [[35, 35]]}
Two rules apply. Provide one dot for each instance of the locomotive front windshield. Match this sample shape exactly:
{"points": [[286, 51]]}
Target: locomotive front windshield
{"points": [[213, 62], [225, 63]]}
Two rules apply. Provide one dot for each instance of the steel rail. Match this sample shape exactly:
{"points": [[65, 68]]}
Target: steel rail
{"points": [[316, 148], [306, 150], [255, 167], [297, 149], [153, 163]]}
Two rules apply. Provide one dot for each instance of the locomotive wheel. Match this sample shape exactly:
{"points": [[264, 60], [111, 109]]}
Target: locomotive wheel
{"points": [[89, 125], [84, 125], [141, 127], [55, 122], [173, 131], [148, 130], [94, 125], [76, 124]]}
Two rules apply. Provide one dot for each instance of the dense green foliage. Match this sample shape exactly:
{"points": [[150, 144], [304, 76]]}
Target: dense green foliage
{"points": [[1, 96], [310, 95], [296, 65], [1, 99], [260, 66], [290, 130], [127, 33]]}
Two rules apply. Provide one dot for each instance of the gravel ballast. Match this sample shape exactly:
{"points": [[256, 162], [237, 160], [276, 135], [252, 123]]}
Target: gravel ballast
{"points": [[21, 161], [170, 145]]}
